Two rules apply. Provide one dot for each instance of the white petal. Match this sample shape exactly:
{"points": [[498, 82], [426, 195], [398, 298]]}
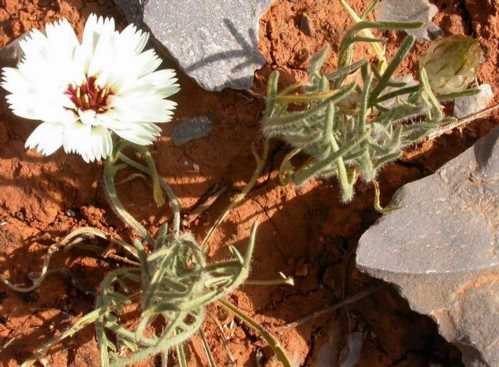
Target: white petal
{"points": [[147, 108], [101, 143], [74, 136], [62, 38], [48, 58], [87, 117], [141, 133], [162, 83], [91, 143], [46, 138], [145, 63], [34, 44], [38, 107], [38, 84], [13, 80], [102, 56], [90, 28], [98, 34], [133, 39], [95, 28]]}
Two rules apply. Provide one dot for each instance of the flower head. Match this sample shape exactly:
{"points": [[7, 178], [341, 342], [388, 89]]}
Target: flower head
{"points": [[84, 91], [451, 63]]}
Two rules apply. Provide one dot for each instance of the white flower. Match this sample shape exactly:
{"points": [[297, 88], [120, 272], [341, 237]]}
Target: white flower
{"points": [[82, 92]]}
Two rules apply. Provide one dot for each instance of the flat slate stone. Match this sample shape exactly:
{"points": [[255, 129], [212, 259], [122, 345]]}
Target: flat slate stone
{"points": [[133, 10], [446, 222], [190, 129], [11, 53], [441, 248], [410, 11], [213, 41], [465, 106]]}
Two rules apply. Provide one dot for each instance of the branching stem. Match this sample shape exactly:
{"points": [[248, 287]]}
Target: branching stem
{"points": [[172, 198], [261, 161], [69, 240], [355, 298], [462, 122], [268, 337]]}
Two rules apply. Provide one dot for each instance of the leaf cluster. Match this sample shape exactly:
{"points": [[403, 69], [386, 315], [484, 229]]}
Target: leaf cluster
{"points": [[165, 292], [355, 120], [174, 285]]}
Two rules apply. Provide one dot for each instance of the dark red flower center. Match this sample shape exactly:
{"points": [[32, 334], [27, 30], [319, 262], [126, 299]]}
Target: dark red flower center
{"points": [[89, 96]]}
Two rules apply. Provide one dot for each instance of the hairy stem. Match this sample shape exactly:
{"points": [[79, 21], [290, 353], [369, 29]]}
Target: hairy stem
{"points": [[110, 171], [379, 51], [462, 122], [55, 247], [268, 337], [82, 323], [260, 165], [172, 198]]}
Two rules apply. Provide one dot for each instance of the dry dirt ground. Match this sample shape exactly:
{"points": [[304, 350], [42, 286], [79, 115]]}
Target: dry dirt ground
{"points": [[305, 232]]}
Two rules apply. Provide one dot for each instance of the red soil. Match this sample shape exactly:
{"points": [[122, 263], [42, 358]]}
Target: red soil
{"points": [[305, 232]]}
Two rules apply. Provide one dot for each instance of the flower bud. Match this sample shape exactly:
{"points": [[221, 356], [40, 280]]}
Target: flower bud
{"points": [[451, 63]]}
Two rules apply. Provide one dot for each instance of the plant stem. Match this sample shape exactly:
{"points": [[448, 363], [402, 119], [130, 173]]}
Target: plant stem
{"points": [[181, 357], [346, 183], [260, 165], [207, 349], [172, 198], [390, 69], [158, 196], [78, 325], [377, 48], [355, 298], [462, 122], [283, 281], [377, 200], [55, 247], [110, 170], [269, 338], [225, 342]]}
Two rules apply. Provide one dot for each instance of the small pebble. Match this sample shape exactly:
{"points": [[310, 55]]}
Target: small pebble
{"points": [[306, 25], [190, 129], [302, 269]]}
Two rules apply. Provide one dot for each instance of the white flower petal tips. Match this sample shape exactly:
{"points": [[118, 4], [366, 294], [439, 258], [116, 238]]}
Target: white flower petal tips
{"points": [[83, 92]]}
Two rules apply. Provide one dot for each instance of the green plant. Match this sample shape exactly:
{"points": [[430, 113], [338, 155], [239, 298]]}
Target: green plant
{"points": [[99, 110], [169, 279], [355, 120]]}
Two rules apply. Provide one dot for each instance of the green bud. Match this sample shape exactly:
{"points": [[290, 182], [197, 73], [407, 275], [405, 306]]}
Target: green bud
{"points": [[451, 63]]}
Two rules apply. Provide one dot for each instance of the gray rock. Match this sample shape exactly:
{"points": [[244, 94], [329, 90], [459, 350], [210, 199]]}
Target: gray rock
{"points": [[327, 352], [410, 11], [441, 248], [12, 53], [350, 354], [213, 41], [468, 105], [191, 129], [133, 10]]}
